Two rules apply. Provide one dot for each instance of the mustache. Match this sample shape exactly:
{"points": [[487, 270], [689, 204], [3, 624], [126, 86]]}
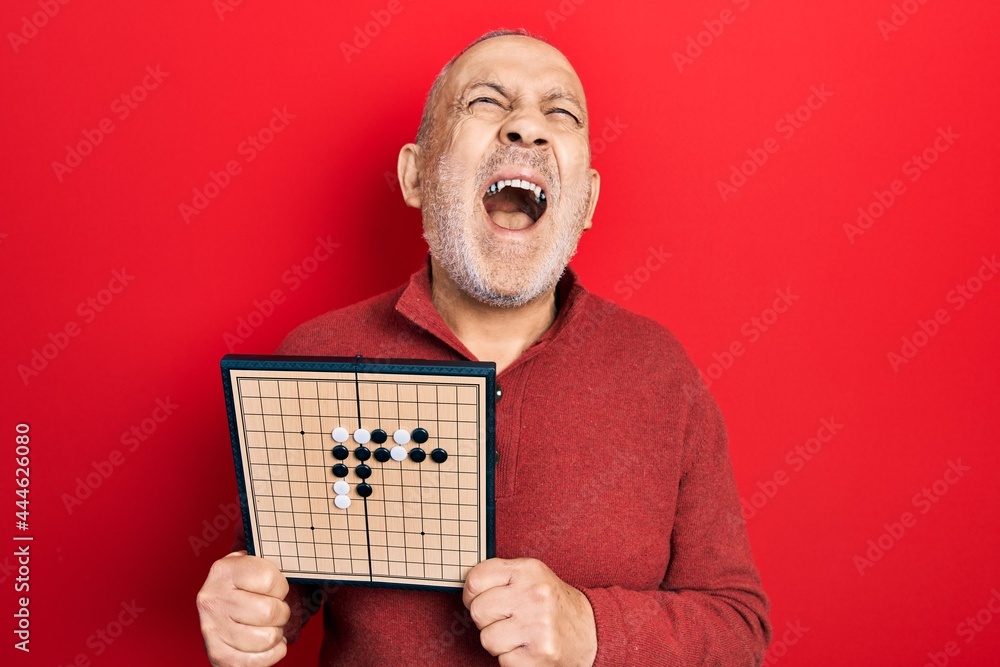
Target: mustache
{"points": [[521, 157]]}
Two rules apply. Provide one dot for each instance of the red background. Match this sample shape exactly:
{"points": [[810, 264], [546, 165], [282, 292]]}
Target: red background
{"points": [[670, 135]]}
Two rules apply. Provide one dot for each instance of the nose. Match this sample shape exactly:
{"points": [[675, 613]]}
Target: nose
{"points": [[526, 128]]}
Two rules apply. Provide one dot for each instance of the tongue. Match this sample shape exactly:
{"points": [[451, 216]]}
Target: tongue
{"points": [[511, 219], [507, 209]]}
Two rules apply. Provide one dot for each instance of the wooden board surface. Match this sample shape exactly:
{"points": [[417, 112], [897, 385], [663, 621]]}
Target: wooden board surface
{"points": [[300, 426]]}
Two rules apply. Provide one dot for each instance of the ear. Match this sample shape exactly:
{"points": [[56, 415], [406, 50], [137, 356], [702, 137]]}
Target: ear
{"points": [[408, 171], [595, 190]]}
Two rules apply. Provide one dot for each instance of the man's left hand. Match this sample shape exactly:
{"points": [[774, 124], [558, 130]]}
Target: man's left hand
{"points": [[527, 615]]}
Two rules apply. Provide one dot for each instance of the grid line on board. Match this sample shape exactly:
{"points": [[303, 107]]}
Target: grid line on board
{"points": [[412, 513]]}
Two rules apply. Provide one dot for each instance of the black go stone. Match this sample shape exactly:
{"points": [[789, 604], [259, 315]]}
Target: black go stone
{"points": [[379, 436], [417, 455], [340, 470], [439, 455], [363, 471], [419, 435], [362, 453], [340, 452], [364, 489], [382, 455]]}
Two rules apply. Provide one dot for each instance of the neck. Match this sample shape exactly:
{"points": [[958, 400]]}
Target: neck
{"points": [[492, 334]]}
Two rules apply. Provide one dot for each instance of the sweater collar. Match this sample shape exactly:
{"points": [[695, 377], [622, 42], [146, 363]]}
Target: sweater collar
{"points": [[415, 304]]}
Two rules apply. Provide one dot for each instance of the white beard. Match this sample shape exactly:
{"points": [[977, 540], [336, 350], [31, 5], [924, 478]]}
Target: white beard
{"points": [[495, 272]]}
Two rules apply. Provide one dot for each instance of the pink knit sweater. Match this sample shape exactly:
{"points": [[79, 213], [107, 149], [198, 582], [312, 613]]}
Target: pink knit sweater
{"points": [[613, 470]]}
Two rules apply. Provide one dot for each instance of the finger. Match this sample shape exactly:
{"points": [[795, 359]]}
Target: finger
{"points": [[259, 610], [257, 575], [495, 604], [519, 657], [501, 637], [220, 628], [250, 638], [489, 574], [224, 654]]}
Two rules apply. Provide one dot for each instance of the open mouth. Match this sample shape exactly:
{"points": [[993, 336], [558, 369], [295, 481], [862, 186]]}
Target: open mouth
{"points": [[514, 204]]}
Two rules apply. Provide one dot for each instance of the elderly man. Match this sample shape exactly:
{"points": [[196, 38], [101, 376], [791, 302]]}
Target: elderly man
{"points": [[619, 537]]}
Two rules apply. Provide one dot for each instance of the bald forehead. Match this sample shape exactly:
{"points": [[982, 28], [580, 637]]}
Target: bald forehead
{"points": [[515, 61]]}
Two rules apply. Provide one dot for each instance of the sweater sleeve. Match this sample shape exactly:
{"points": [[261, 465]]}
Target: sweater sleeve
{"points": [[710, 608], [303, 601]]}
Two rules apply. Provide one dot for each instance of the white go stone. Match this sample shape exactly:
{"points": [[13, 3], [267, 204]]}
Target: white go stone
{"points": [[342, 501], [341, 488], [361, 436], [397, 453], [401, 437], [340, 434]]}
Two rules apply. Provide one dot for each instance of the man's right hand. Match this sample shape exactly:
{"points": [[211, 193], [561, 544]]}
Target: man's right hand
{"points": [[243, 610]]}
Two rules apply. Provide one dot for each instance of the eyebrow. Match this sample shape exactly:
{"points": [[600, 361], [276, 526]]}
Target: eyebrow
{"points": [[485, 83], [558, 93]]}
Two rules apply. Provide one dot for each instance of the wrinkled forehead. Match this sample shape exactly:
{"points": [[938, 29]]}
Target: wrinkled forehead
{"points": [[522, 65]]}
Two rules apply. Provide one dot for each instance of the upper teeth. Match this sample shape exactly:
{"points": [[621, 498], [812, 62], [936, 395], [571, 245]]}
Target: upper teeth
{"points": [[517, 183]]}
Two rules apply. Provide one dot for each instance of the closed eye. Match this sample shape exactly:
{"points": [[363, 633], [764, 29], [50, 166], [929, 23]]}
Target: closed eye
{"points": [[490, 100], [564, 111]]}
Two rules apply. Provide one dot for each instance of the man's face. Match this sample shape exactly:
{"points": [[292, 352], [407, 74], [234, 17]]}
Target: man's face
{"points": [[511, 110]]}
